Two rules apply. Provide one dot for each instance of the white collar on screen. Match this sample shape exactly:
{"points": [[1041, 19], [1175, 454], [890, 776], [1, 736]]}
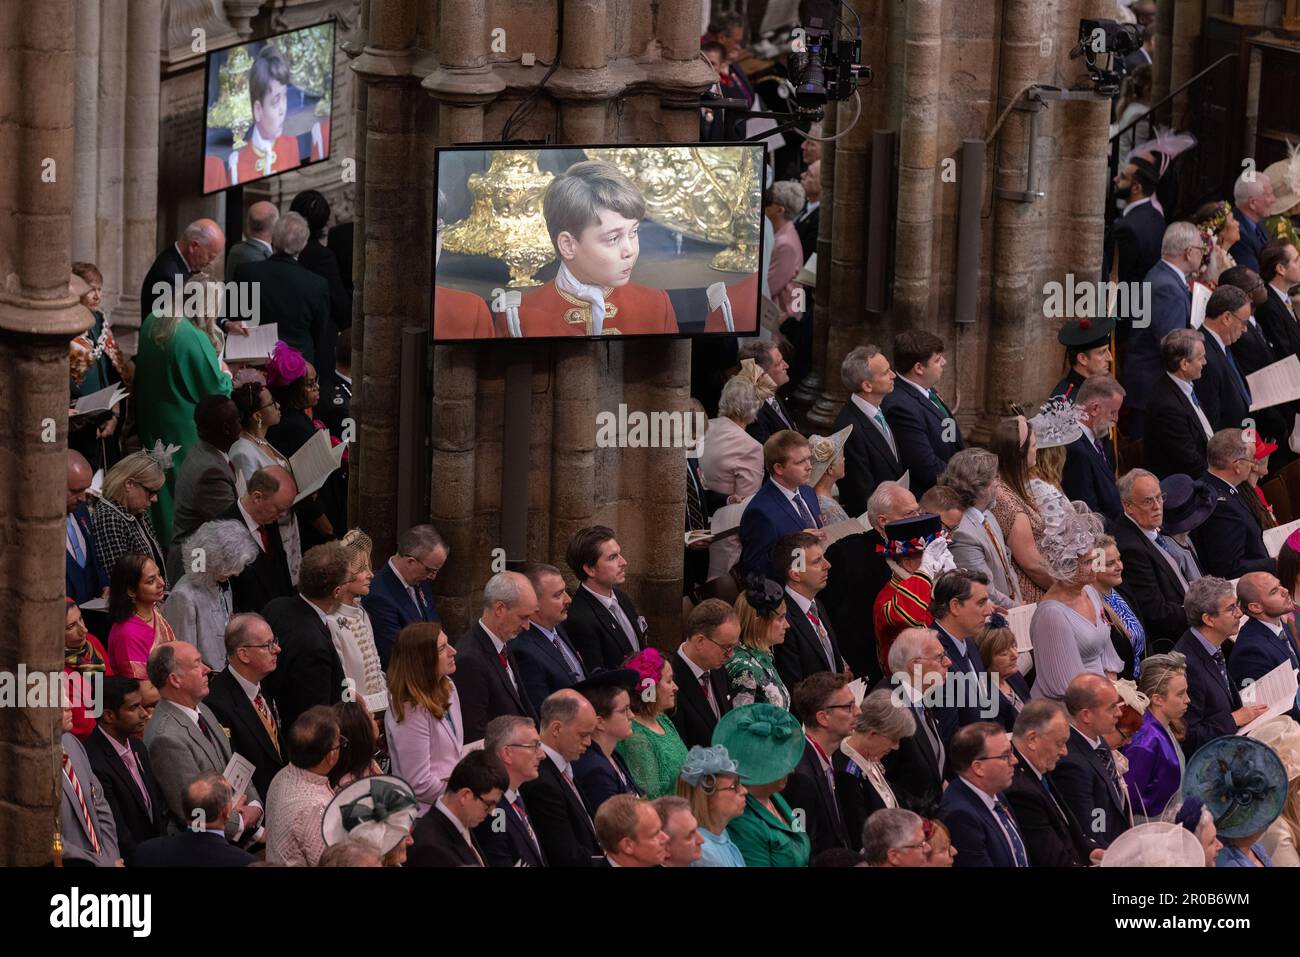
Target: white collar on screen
{"points": [[566, 282]]}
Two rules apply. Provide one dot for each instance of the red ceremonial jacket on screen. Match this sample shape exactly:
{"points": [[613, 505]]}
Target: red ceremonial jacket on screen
{"points": [[215, 176], [630, 310], [460, 315], [286, 157], [744, 308]]}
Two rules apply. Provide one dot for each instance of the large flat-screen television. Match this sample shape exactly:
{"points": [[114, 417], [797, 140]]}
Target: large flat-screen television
{"points": [[267, 106], [592, 241]]}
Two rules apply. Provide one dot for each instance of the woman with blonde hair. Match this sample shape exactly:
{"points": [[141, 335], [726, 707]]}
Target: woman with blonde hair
{"points": [[1155, 758], [120, 520], [1282, 838], [350, 628], [425, 732], [751, 671]]}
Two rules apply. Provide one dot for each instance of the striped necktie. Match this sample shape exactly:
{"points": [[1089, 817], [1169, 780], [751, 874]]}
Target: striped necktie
{"points": [[81, 800]]}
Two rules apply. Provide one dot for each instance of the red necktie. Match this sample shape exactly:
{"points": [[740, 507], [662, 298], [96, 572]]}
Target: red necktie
{"points": [[81, 799], [505, 662], [266, 539]]}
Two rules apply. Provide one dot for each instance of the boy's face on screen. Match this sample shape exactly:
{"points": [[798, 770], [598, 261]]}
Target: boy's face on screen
{"points": [[268, 112], [604, 254]]}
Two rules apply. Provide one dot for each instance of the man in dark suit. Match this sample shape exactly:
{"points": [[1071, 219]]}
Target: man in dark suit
{"points": [[960, 605], [825, 707], [487, 671], [1177, 431], [269, 498], [249, 717], [1222, 389], [122, 765], [507, 837], [773, 416], [444, 836], [402, 590], [1052, 835], [1255, 350], [207, 480], [547, 659], [308, 671], [871, 452], [1279, 266], [1267, 636], [256, 245], [82, 570], [200, 243], [1087, 353], [1153, 584], [559, 818], [917, 768], [857, 569], [1252, 202], [1168, 307], [603, 625], [297, 298], [312, 205], [1086, 779], [808, 221], [207, 798], [983, 827], [1133, 242], [1215, 708], [782, 506], [924, 429], [703, 696], [1089, 473], [1230, 542], [810, 644]]}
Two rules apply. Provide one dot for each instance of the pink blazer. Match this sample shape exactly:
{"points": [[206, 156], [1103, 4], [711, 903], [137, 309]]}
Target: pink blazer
{"points": [[424, 749], [787, 258], [732, 461]]}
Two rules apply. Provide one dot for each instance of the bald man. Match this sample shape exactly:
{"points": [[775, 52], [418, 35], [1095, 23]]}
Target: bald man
{"points": [[200, 243], [488, 680], [269, 497], [83, 581], [1266, 638], [559, 819], [262, 217]]}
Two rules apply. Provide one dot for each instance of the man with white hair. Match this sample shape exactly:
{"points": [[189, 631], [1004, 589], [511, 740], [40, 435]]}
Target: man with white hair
{"points": [[487, 672], [894, 837], [1168, 307], [201, 242], [262, 217], [918, 669], [290, 293], [1252, 201]]}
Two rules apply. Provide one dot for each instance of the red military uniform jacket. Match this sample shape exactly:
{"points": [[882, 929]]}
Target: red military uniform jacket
{"points": [[460, 315], [286, 157], [630, 310], [903, 603], [744, 308]]}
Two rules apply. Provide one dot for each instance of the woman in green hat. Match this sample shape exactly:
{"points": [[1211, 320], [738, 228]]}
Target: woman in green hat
{"points": [[766, 743]]}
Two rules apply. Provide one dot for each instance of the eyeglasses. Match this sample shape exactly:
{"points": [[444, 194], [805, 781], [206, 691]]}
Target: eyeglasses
{"points": [[343, 743], [269, 405], [912, 847], [832, 707], [145, 488], [1008, 757], [431, 572], [941, 656], [535, 746], [1151, 501], [490, 805], [727, 650], [1234, 608], [273, 643], [727, 787]]}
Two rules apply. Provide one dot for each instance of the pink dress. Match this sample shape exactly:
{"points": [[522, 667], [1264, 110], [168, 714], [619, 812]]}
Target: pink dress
{"points": [[130, 641]]}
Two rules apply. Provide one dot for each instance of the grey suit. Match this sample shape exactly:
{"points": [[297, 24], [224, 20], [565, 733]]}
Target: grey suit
{"points": [[179, 752], [72, 824], [972, 549], [244, 251], [205, 487]]}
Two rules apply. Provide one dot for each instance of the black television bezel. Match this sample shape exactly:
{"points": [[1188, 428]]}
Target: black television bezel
{"points": [[644, 336], [207, 89]]}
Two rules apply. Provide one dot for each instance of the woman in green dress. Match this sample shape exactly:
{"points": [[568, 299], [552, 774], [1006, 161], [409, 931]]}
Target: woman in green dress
{"points": [[766, 743], [655, 752], [176, 366], [751, 672]]}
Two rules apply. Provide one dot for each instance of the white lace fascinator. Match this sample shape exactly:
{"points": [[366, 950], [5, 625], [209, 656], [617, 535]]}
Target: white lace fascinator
{"points": [[1069, 540], [1057, 424]]}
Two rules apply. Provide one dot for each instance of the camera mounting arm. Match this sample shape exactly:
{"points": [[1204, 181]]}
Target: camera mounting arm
{"points": [[1033, 101]]}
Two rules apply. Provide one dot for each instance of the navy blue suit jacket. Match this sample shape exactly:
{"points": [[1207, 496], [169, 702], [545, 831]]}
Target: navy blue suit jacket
{"points": [[1082, 782], [191, 849], [919, 428], [1230, 542], [975, 831], [1222, 394], [1137, 236], [542, 669], [1090, 478], [1253, 237], [597, 780], [1170, 307], [1173, 439], [868, 459], [1257, 651], [768, 516], [83, 584], [509, 847], [1209, 715], [969, 708], [390, 608]]}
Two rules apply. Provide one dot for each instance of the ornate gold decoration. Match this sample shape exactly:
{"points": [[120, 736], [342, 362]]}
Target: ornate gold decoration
{"points": [[231, 109], [505, 221], [709, 194], [581, 316]]}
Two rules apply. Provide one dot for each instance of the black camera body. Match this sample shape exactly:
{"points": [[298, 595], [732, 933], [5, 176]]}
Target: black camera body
{"points": [[1104, 45], [824, 67]]}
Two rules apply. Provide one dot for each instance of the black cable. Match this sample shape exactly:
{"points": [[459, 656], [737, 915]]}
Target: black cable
{"points": [[529, 103]]}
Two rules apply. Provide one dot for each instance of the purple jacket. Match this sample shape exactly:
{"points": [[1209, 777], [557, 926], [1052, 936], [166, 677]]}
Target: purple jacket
{"points": [[1154, 772]]}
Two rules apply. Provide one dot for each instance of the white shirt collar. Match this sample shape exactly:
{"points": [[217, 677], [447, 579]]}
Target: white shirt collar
{"points": [[695, 669], [1135, 204], [497, 643], [250, 689], [253, 527], [191, 713], [1205, 327], [325, 619], [1275, 628], [803, 603], [984, 796], [1093, 742], [1088, 433], [555, 756], [611, 602], [345, 378], [1176, 271], [919, 388], [1286, 299], [871, 410], [1182, 384], [404, 582], [460, 828]]}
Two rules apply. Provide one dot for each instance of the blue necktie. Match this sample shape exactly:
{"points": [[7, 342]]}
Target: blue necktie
{"points": [[1013, 833], [1195, 401], [803, 511], [77, 553], [1241, 383]]}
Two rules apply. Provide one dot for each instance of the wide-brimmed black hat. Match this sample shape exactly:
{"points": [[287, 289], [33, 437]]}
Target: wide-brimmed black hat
{"points": [[1188, 503], [607, 678], [1086, 333], [909, 536]]}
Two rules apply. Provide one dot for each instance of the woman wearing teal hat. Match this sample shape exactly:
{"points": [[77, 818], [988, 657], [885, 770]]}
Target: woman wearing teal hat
{"points": [[711, 783], [1244, 785], [766, 743]]}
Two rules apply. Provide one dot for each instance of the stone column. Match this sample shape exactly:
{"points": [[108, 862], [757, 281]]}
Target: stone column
{"points": [[1188, 15], [811, 387], [108, 187], [86, 121], [352, 46], [38, 314]]}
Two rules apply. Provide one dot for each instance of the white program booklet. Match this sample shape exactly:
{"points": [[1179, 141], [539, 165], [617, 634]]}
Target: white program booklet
{"points": [[316, 461], [1275, 384], [257, 346], [101, 401], [239, 771], [1277, 689]]}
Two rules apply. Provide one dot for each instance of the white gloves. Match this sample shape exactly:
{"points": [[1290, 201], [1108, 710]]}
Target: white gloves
{"points": [[936, 559]]}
